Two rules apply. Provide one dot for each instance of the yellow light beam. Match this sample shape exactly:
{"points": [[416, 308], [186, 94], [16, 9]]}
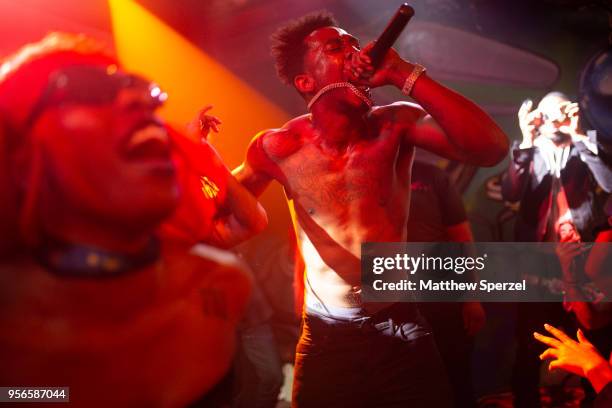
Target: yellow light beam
{"points": [[147, 45]]}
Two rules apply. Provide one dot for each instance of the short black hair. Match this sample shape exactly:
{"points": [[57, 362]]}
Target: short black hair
{"points": [[288, 48]]}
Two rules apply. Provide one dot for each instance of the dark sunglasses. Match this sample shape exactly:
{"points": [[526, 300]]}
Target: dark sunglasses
{"points": [[90, 85]]}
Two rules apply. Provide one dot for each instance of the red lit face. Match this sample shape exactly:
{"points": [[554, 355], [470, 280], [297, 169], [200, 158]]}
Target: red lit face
{"points": [[568, 233], [327, 60], [111, 161]]}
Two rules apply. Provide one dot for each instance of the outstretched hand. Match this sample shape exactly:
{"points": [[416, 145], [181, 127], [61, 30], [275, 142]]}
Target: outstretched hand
{"points": [[204, 123], [577, 357]]}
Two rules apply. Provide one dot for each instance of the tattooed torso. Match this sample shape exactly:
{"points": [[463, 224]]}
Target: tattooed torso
{"points": [[343, 197]]}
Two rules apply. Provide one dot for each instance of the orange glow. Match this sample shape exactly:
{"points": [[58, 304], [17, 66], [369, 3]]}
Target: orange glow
{"points": [[147, 45]]}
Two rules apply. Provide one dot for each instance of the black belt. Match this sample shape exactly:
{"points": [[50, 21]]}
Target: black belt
{"points": [[398, 311]]}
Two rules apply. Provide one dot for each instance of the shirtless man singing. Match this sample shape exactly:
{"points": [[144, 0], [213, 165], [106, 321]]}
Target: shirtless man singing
{"points": [[345, 168]]}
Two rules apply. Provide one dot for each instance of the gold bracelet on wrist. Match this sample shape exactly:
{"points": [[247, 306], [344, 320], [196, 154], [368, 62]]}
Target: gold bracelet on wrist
{"points": [[412, 78]]}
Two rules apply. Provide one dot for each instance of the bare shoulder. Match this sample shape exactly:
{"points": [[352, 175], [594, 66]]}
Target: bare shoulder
{"points": [[282, 143], [402, 110]]}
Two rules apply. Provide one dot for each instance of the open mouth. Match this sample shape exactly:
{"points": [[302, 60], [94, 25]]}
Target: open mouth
{"points": [[148, 142], [148, 149]]}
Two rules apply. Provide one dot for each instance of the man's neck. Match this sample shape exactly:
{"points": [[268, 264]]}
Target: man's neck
{"points": [[338, 127]]}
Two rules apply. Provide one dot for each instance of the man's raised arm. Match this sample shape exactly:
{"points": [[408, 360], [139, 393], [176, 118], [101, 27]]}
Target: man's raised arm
{"points": [[466, 133]]}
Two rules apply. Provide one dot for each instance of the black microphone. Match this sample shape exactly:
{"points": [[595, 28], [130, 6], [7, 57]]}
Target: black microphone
{"points": [[391, 33]]}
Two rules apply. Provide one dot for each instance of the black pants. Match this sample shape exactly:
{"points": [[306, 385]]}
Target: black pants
{"points": [[386, 360], [455, 347]]}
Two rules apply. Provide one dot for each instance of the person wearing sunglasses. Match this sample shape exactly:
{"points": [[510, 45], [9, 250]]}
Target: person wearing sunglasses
{"points": [[555, 156], [91, 296]]}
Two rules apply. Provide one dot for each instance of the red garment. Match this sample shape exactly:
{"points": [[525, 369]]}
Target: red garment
{"points": [[161, 336]]}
